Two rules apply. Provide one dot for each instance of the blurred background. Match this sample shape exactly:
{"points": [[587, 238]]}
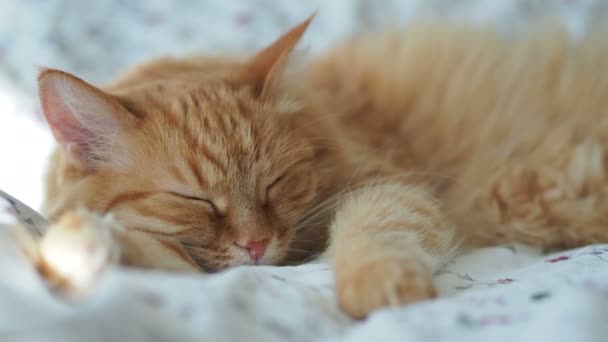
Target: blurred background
{"points": [[96, 40]]}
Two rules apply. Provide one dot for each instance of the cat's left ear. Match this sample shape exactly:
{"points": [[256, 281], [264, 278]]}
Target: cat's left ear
{"points": [[84, 120], [264, 69]]}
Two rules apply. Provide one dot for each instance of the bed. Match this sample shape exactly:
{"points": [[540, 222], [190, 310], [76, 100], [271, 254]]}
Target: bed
{"points": [[504, 293]]}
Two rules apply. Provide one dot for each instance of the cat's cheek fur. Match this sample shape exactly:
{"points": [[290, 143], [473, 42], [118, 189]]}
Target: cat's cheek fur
{"points": [[275, 252]]}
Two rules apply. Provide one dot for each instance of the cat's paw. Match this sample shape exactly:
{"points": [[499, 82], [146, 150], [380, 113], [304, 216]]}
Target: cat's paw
{"points": [[380, 282], [74, 251]]}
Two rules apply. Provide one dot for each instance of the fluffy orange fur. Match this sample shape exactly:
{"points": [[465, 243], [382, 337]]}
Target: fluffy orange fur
{"points": [[386, 152]]}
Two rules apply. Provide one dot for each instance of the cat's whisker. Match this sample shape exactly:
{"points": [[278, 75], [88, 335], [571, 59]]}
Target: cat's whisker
{"points": [[323, 205], [294, 241], [321, 217], [307, 219], [302, 250], [320, 224]]}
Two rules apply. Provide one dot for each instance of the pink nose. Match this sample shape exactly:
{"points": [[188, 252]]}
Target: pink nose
{"points": [[256, 249]]}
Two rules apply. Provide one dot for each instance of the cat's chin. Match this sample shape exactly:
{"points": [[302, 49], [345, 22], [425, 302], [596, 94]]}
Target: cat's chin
{"points": [[259, 262]]}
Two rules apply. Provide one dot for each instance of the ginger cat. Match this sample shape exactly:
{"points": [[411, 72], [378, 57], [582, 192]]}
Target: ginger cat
{"points": [[386, 153]]}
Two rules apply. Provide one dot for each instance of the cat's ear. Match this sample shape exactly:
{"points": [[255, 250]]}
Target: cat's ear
{"points": [[264, 69], [83, 119]]}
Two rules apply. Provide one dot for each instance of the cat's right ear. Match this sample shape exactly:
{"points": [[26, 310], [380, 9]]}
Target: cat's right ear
{"points": [[83, 119], [264, 69]]}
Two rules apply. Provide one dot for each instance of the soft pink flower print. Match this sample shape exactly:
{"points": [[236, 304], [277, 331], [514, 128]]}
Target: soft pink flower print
{"points": [[471, 321], [557, 259], [505, 281]]}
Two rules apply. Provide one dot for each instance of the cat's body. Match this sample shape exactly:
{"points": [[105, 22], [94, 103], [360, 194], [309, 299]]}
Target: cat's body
{"points": [[399, 146], [512, 134]]}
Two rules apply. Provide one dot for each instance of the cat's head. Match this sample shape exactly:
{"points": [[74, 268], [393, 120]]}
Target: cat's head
{"points": [[205, 152]]}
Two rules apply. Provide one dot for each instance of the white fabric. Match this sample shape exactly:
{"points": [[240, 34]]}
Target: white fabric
{"points": [[497, 294], [528, 299], [503, 293]]}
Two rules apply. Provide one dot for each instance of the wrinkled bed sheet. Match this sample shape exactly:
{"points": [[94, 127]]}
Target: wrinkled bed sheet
{"points": [[507, 293]]}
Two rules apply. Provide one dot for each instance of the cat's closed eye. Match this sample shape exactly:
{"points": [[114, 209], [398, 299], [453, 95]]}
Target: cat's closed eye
{"points": [[269, 190], [207, 202]]}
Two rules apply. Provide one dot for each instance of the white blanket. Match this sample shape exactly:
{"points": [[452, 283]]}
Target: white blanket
{"points": [[497, 294]]}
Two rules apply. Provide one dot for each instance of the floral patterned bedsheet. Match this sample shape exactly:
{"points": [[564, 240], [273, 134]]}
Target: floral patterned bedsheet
{"points": [[507, 293]]}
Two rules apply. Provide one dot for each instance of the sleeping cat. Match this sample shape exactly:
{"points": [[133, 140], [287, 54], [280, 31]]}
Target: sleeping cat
{"points": [[385, 154]]}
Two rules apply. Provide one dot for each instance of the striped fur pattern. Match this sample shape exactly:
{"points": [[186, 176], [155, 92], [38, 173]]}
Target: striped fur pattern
{"points": [[386, 153]]}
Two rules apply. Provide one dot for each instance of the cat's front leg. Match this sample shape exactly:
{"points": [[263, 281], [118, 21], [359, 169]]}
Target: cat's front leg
{"points": [[75, 250], [387, 240]]}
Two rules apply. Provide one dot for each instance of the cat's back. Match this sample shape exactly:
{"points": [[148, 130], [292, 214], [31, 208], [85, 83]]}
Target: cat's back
{"points": [[440, 94]]}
